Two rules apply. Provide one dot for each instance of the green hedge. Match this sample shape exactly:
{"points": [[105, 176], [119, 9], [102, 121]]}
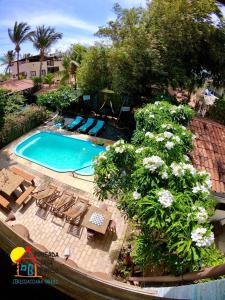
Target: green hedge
{"points": [[16, 124]]}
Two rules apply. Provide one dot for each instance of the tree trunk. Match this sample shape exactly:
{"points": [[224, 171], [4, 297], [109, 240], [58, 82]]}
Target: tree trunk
{"points": [[210, 272], [17, 63], [41, 62]]}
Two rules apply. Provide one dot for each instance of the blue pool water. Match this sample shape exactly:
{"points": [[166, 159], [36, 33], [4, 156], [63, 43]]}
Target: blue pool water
{"points": [[59, 153]]}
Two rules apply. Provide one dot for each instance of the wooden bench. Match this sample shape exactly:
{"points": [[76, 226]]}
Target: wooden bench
{"points": [[28, 177], [25, 195], [4, 202]]}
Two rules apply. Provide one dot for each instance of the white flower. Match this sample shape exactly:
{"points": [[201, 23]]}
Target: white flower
{"points": [[177, 139], [165, 198], [149, 135], [168, 134], [102, 156], [151, 116], [157, 103], [201, 215], [166, 126], [164, 175], [152, 163], [136, 195], [159, 139], [107, 148], [119, 149], [186, 158], [139, 150], [169, 145], [200, 188], [201, 238]]}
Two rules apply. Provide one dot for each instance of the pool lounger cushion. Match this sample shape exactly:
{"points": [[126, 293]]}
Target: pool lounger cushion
{"points": [[99, 125], [75, 122], [87, 125]]}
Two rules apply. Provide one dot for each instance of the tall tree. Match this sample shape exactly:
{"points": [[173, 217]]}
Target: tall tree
{"points": [[93, 74], [19, 34], [43, 38], [7, 60], [190, 42]]}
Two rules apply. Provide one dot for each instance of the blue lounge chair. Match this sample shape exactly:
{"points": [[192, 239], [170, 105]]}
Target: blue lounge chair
{"points": [[87, 125], [98, 126], [75, 123]]}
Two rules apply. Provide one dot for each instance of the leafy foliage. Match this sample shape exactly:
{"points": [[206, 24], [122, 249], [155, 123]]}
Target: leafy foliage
{"points": [[16, 124], [217, 111], [158, 188], [59, 99], [93, 74]]}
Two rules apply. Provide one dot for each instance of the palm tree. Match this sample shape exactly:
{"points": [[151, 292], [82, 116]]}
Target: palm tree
{"points": [[43, 38], [7, 60], [19, 34], [69, 69]]}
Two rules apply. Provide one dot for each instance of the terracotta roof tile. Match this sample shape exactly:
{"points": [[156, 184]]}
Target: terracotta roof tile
{"points": [[209, 150], [15, 85]]}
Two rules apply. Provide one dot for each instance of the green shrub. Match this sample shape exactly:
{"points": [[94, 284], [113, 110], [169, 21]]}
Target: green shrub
{"points": [[60, 99], [217, 111], [37, 80], [16, 124]]}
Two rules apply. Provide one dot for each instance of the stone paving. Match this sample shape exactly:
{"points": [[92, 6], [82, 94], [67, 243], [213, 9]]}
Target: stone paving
{"points": [[56, 235]]}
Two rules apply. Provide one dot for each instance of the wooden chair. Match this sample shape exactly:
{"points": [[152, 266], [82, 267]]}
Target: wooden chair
{"points": [[24, 196], [4, 202], [62, 202], [68, 201], [43, 196], [75, 212], [28, 177]]}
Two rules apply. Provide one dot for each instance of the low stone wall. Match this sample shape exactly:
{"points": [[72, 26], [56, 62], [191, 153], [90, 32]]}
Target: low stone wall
{"points": [[73, 281]]}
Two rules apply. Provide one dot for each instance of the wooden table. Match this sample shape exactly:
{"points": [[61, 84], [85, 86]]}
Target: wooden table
{"points": [[98, 228], [9, 182]]}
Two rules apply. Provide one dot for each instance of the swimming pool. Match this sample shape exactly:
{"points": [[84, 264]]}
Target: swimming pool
{"points": [[59, 152]]}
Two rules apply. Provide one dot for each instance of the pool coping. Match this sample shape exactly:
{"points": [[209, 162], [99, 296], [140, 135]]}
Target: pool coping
{"points": [[15, 151]]}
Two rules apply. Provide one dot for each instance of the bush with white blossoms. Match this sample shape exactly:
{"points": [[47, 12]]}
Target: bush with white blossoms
{"points": [[158, 188]]}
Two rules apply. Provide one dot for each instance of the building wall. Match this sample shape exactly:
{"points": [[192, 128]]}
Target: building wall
{"points": [[32, 69]]}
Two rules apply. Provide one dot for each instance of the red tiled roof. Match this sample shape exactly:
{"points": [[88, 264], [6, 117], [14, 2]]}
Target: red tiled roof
{"points": [[15, 85], [209, 150]]}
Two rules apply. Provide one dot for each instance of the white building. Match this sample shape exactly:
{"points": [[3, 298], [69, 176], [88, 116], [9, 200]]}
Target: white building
{"points": [[30, 66]]}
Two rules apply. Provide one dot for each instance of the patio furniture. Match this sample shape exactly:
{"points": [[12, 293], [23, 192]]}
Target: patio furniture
{"points": [[97, 128], [112, 226], [87, 125], [76, 122], [9, 182], [75, 212], [43, 196], [97, 219], [28, 177], [24, 196], [62, 203], [4, 202]]}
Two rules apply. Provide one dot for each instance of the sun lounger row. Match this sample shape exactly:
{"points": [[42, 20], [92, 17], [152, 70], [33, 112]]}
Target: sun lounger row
{"points": [[62, 204], [90, 126]]}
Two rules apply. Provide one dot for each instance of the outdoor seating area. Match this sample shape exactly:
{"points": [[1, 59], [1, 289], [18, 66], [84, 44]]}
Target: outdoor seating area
{"points": [[75, 210], [60, 216], [90, 126], [16, 186]]}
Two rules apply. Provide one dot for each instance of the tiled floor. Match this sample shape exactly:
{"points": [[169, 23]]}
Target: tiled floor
{"points": [[96, 256]]}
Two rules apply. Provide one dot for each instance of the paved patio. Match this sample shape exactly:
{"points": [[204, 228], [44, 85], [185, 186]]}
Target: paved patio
{"points": [[96, 256]]}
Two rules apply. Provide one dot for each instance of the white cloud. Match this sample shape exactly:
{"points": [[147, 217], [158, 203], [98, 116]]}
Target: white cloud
{"points": [[66, 42], [135, 2], [53, 19]]}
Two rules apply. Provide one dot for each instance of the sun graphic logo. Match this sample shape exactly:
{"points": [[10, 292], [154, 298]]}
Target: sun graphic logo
{"points": [[26, 262]]}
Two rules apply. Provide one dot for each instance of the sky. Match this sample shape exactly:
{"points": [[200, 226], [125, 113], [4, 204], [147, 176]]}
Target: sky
{"points": [[78, 20]]}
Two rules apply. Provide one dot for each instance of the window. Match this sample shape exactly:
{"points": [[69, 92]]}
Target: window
{"points": [[53, 69], [50, 63], [32, 73], [43, 72]]}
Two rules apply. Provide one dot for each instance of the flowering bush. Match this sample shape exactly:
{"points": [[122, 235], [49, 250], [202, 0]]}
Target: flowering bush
{"points": [[160, 190], [59, 99]]}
